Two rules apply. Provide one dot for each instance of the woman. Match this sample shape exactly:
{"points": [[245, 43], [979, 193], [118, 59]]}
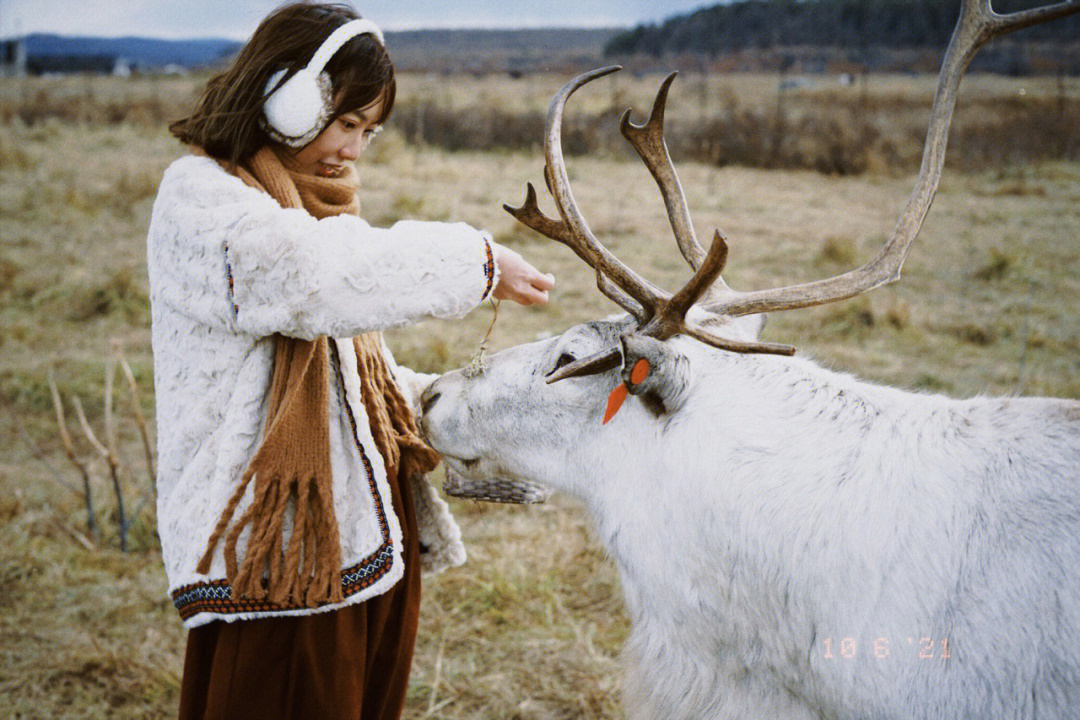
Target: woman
{"points": [[292, 509]]}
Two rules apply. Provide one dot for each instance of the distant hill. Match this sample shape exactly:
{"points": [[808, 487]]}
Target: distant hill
{"points": [[853, 27], [140, 52], [420, 50], [531, 50]]}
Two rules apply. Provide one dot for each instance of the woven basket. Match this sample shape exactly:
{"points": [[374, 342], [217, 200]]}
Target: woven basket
{"points": [[519, 492]]}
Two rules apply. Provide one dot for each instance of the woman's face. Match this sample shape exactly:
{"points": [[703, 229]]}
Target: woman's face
{"points": [[341, 142]]}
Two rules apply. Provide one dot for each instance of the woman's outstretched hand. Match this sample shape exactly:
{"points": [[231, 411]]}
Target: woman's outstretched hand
{"points": [[519, 281]]}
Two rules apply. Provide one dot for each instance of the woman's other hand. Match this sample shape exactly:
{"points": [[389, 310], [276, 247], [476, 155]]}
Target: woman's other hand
{"points": [[519, 281]]}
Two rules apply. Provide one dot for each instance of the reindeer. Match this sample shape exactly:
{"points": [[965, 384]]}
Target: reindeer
{"points": [[792, 542]]}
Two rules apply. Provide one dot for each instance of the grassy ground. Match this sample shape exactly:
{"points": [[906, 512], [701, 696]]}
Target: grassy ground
{"points": [[873, 123], [532, 625], [95, 97]]}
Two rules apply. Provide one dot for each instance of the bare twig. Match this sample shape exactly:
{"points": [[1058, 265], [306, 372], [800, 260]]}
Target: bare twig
{"points": [[136, 407], [110, 426], [69, 450], [109, 449], [110, 459], [431, 708], [88, 432], [114, 455], [76, 535]]}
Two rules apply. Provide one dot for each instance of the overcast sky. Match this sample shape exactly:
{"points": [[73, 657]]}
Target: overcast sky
{"points": [[237, 18]]}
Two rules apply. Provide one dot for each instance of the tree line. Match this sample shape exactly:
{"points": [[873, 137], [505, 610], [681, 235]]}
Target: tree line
{"points": [[747, 24]]}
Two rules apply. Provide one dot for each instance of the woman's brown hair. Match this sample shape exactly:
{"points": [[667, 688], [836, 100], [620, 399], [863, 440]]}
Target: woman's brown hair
{"points": [[226, 122]]}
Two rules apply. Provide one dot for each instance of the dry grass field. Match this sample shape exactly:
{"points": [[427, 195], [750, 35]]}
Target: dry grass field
{"points": [[531, 627]]}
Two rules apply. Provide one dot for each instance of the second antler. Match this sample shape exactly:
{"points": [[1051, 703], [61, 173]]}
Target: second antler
{"points": [[661, 315]]}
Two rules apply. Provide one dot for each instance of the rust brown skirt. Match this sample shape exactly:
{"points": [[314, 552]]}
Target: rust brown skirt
{"points": [[350, 664]]}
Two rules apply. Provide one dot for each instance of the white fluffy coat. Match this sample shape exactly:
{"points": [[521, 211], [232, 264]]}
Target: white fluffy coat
{"points": [[228, 269]]}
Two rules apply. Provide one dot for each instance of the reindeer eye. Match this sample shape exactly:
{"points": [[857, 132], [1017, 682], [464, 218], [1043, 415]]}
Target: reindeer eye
{"points": [[564, 359]]}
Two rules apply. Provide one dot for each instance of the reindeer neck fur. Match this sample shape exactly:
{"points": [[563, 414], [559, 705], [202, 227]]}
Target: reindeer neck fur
{"points": [[815, 497]]}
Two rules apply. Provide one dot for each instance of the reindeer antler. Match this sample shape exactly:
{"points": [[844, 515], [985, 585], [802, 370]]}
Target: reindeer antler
{"points": [[661, 315], [648, 141], [977, 24], [572, 230]]}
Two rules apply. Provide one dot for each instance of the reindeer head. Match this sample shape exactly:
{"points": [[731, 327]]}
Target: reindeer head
{"points": [[676, 334], [513, 425]]}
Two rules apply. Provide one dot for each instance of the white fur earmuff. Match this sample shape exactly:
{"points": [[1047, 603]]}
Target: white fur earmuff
{"points": [[295, 113]]}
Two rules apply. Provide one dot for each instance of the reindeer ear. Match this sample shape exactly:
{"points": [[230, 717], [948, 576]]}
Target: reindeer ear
{"points": [[656, 372]]}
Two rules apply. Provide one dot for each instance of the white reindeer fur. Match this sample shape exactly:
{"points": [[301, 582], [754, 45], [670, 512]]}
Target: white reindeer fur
{"points": [[784, 504]]}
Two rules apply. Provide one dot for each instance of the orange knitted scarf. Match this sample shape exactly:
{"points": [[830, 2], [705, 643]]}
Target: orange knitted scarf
{"points": [[291, 468]]}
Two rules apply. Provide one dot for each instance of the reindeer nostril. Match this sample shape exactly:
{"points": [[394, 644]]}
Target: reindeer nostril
{"points": [[429, 401]]}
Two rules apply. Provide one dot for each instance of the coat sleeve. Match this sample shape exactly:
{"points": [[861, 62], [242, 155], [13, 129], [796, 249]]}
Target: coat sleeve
{"points": [[229, 255]]}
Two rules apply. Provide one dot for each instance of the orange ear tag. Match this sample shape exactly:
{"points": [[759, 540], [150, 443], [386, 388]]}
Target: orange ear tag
{"points": [[618, 395], [614, 402], [640, 371]]}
